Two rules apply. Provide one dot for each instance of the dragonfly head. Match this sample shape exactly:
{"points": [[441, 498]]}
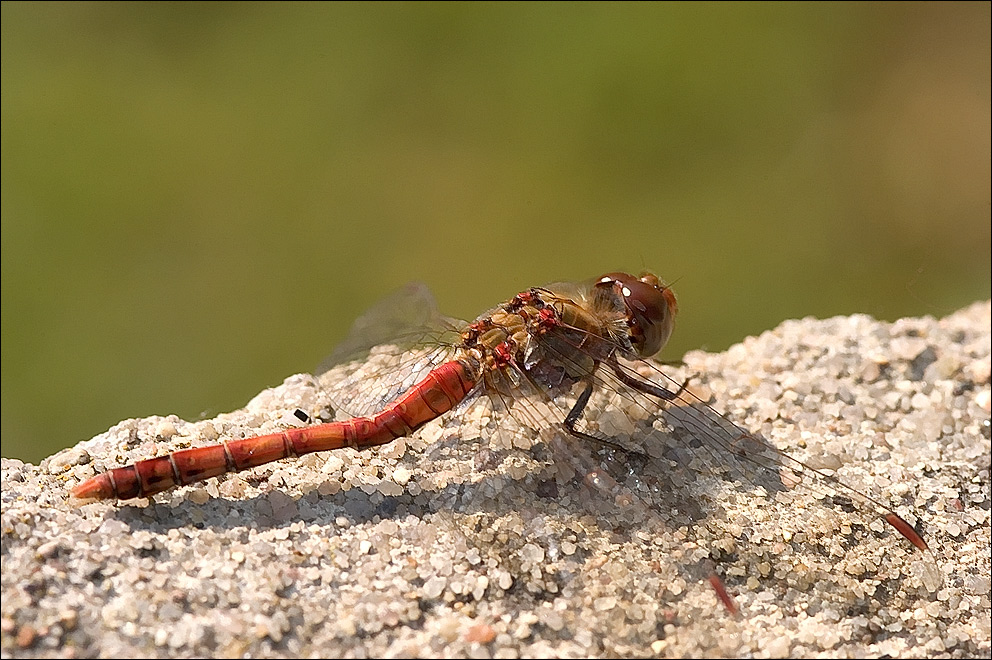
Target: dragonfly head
{"points": [[651, 309]]}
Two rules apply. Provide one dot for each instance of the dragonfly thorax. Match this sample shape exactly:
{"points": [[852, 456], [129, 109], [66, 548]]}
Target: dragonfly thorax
{"points": [[555, 338]]}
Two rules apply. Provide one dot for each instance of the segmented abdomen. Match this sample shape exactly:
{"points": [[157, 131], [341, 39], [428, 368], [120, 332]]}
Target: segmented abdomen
{"points": [[441, 390]]}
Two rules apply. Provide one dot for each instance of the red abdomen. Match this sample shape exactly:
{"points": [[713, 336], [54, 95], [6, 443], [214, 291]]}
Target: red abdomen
{"points": [[439, 392]]}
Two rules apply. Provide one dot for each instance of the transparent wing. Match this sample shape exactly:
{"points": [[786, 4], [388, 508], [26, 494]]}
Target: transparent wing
{"points": [[389, 348], [695, 454], [406, 317]]}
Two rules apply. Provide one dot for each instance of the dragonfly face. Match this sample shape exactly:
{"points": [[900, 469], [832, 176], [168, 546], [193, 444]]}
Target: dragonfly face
{"points": [[651, 309]]}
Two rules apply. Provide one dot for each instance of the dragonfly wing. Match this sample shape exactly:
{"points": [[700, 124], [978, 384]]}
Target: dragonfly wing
{"points": [[390, 348], [406, 318], [719, 458]]}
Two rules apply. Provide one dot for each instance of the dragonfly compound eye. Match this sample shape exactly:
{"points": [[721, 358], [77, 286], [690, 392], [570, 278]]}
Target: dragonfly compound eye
{"points": [[651, 309]]}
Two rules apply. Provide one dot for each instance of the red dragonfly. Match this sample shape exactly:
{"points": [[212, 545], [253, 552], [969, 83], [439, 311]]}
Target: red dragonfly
{"points": [[538, 359]]}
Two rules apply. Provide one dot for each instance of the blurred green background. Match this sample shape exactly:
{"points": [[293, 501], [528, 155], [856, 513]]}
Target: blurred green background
{"points": [[198, 199]]}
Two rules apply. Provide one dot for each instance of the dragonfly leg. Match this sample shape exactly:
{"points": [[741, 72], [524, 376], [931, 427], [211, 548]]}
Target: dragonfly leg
{"points": [[580, 405], [646, 387], [576, 412]]}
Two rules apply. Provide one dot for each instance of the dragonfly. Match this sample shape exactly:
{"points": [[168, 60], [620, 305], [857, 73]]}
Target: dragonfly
{"points": [[538, 360]]}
